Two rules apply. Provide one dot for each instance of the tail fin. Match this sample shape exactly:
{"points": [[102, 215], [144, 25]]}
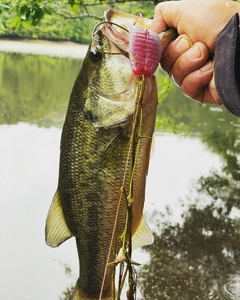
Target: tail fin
{"points": [[76, 294]]}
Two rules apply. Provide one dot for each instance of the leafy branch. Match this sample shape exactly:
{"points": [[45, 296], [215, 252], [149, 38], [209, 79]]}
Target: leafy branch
{"points": [[29, 14]]}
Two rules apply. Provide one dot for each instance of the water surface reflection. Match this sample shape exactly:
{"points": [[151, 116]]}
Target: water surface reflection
{"points": [[198, 257], [196, 253]]}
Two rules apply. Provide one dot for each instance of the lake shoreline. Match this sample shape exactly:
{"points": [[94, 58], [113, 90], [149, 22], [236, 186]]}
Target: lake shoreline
{"points": [[44, 47]]}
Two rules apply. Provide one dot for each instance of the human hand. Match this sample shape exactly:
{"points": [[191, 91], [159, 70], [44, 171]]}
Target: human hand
{"points": [[189, 67], [187, 58]]}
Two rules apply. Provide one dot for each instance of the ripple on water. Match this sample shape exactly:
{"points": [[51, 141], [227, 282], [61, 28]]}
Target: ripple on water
{"points": [[231, 288]]}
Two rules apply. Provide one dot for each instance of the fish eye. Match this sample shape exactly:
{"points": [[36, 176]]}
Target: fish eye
{"points": [[95, 56]]}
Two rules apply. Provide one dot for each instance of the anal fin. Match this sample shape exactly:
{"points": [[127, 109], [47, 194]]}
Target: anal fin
{"points": [[143, 236], [56, 230]]}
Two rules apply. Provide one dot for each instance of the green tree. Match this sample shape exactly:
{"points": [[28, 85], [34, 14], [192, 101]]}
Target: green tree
{"points": [[65, 19]]}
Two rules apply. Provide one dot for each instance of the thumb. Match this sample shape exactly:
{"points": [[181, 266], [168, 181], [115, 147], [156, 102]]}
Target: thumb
{"points": [[166, 14]]}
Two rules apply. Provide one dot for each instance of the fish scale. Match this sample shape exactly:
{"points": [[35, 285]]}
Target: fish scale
{"points": [[93, 176]]}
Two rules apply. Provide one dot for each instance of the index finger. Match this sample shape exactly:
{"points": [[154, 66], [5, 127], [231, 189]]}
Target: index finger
{"points": [[165, 15]]}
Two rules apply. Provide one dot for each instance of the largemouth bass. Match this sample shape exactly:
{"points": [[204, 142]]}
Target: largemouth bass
{"points": [[101, 160]]}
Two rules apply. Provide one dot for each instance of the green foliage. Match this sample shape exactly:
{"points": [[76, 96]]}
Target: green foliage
{"points": [[169, 125], [165, 86], [25, 13], [67, 294], [68, 20]]}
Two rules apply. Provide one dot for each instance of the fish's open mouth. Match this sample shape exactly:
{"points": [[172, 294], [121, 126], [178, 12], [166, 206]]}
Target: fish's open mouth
{"points": [[116, 28], [115, 34]]}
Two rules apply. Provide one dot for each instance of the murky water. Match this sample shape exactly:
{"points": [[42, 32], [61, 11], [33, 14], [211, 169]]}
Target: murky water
{"points": [[192, 200]]}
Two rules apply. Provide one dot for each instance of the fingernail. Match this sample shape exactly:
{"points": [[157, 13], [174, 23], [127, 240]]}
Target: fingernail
{"points": [[194, 52], [207, 67], [182, 45]]}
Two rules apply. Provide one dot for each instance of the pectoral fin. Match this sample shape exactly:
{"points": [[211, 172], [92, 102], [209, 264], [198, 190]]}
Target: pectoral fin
{"points": [[56, 230], [143, 236]]}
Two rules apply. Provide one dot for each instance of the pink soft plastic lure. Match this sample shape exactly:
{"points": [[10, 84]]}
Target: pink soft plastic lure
{"points": [[145, 51]]}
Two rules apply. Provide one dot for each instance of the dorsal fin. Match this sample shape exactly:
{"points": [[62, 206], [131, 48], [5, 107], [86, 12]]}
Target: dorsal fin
{"points": [[56, 230]]}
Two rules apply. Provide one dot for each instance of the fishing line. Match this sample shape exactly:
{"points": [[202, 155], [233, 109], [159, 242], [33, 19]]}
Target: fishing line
{"points": [[108, 23]]}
